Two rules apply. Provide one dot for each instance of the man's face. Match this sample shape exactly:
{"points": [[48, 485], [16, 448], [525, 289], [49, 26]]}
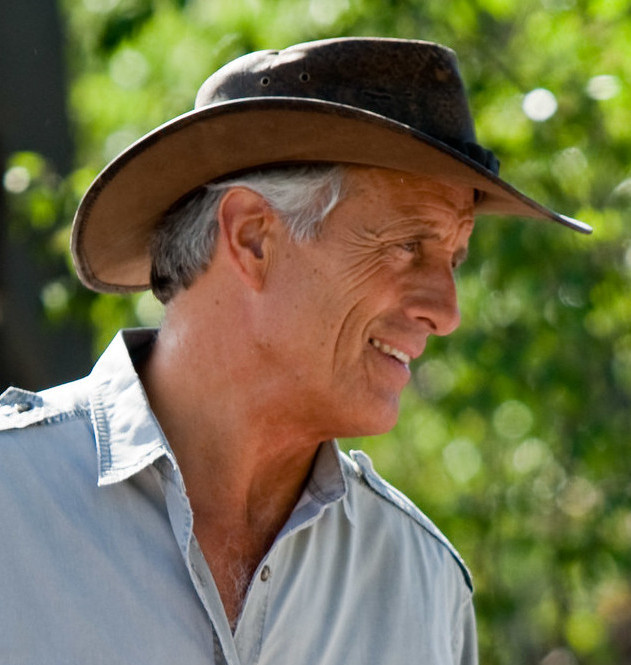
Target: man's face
{"points": [[352, 308]]}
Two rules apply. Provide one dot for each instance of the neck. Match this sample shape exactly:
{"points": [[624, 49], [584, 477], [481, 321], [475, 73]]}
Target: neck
{"points": [[243, 463], [234, 445]]}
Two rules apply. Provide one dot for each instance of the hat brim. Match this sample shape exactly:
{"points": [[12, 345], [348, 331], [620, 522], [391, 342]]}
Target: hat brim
{"points": [[114, 222]]}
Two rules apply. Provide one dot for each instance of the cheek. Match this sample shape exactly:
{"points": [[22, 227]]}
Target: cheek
{"points": [[340, 295], [360, 295], [352, 291], [368, 271]]}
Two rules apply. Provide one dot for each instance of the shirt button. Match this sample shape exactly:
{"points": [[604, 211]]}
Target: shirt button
{"points": [[265, 573]]}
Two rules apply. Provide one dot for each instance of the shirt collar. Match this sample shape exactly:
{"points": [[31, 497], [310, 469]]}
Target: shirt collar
{"points": [[327, 484], [128, 436]]}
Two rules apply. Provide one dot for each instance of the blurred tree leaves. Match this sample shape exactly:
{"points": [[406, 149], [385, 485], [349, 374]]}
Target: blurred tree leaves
{"points": [[514, 434]]}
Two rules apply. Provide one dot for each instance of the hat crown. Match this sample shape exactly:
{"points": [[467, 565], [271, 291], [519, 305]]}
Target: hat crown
{"points": [[415, 83]]}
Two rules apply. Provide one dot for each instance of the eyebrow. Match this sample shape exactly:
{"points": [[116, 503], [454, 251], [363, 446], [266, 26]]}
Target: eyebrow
{"points": [[420, 228]]}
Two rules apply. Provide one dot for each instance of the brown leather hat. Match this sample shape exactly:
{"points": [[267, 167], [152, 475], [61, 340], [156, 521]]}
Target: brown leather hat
{"points": [[390, 103]]}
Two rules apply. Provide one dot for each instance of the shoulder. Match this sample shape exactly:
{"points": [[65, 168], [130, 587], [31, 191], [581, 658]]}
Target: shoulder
{"points": [[43, 436], [21, 409], [360, 468]]}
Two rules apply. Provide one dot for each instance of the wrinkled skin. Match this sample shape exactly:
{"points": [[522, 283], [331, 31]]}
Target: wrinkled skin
{"points": [[380, 273], [278, 346]]}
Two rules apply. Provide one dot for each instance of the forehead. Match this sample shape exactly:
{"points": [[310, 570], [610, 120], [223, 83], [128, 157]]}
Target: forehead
{"points": [[396, 198]]}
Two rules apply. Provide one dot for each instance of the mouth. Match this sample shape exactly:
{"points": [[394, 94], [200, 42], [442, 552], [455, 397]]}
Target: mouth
{"points": [[391, 351]]}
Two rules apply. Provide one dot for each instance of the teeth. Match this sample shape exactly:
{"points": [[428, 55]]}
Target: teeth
{"points": [[391, 351]]}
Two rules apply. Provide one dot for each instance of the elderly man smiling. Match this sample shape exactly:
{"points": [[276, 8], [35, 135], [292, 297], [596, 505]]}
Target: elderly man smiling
{"points": [[186, 502]]}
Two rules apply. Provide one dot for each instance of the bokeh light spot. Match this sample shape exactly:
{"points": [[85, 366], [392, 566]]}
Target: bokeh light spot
{"points": [[540, 104], [462, 460], [603, 87], [16, 179], [512, 419]]}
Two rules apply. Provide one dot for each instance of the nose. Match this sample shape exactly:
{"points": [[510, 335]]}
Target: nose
{"points": [[435, 300]]}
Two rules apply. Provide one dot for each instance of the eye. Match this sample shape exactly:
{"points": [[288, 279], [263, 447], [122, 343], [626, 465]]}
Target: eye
{"points": [[411, 246], [409, 251]]}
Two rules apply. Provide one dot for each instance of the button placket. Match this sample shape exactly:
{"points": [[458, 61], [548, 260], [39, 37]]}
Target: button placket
{"points": [[250, 629], [181, 517]]}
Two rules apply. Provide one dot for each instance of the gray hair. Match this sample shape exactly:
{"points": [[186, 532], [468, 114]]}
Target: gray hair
{"points": [[184, 240]]}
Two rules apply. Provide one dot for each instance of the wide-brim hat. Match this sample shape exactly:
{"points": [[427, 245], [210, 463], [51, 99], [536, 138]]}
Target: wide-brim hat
{"points": [[391, 103]]}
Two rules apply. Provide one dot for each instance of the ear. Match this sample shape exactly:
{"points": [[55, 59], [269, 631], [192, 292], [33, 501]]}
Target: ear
{"points": [[245, 221]]}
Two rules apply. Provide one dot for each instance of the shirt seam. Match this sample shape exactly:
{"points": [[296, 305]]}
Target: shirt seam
{"points": [[50, 419], [364, 484], [456, 633]]}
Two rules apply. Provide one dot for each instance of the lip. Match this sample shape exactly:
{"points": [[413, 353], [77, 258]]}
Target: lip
{"points": [[401, 353]]}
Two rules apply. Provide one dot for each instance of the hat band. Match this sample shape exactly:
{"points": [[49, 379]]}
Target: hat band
{"points": [[476, 153]]}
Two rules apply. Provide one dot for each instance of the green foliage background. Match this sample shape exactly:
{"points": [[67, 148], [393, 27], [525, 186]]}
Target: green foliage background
{"points": [[514, 435]]}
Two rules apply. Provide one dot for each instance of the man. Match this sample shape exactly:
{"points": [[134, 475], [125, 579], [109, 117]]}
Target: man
{"points": [[186, 502]]}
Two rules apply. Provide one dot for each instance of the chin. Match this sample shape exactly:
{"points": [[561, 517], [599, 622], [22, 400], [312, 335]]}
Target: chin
{"points": [[372, 421]]}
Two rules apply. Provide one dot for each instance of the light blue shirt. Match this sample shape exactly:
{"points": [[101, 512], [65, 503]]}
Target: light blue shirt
{"points": [[99, 563]]}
